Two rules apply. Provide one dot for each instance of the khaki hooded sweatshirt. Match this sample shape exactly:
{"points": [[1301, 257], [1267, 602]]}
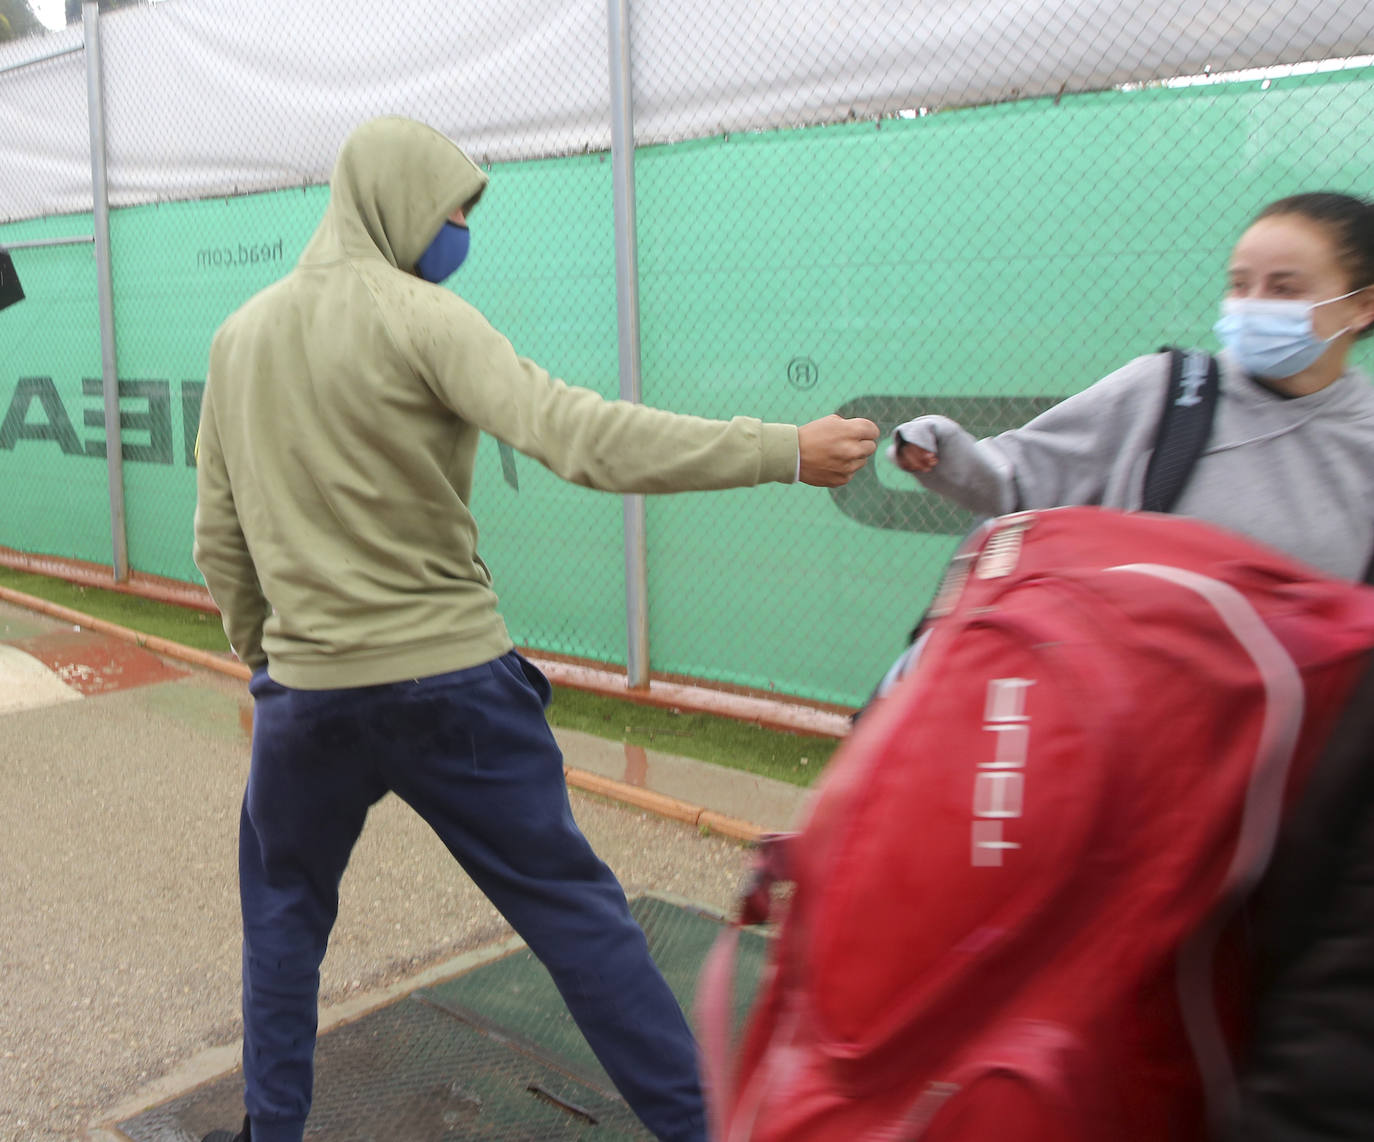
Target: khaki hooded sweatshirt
{"points": [[339, 429]]}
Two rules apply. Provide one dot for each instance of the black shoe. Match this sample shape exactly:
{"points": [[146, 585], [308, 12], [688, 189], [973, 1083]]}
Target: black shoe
{"points": [[244, 1135]]}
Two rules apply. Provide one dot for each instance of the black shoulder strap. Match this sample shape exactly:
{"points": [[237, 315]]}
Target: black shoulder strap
{"points": [[1190, 402]]}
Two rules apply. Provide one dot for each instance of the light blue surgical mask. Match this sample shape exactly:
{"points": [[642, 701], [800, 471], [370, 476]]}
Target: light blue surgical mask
{"points": [[1272, 337], [445, 254]]}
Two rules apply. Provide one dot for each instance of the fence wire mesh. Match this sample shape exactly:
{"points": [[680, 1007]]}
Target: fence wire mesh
{"points": [[51, 408], [878, 208]]}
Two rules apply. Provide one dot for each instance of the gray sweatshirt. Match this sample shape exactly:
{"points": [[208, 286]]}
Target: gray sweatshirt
{"points": [[1295, 473]]}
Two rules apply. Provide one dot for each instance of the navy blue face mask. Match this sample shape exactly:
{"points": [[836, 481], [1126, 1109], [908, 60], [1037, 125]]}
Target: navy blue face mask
{"points": [[445, 253]]}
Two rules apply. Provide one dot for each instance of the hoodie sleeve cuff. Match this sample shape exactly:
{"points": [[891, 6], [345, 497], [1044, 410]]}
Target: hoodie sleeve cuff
{"points": [[781, 462]]}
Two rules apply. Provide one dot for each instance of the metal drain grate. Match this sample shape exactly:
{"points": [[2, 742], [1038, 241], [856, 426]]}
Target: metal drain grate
{"points": [[491, 1055], [414, 1073]]}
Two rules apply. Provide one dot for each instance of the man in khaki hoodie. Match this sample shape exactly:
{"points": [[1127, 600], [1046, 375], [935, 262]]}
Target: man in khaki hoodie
{"points": [[335, 462]]}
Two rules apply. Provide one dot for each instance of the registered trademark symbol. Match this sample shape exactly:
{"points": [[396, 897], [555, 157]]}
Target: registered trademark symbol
{"points": [[802, 373]]}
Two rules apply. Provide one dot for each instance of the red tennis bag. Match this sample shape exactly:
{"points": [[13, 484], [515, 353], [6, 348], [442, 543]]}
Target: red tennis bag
{"points": [[1018, 886]]}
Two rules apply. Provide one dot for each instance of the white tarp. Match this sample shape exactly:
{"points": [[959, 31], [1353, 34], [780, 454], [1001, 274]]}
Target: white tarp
{"points": [[212, 97]]}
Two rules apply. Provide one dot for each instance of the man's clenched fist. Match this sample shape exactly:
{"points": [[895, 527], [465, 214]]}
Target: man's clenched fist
{"points": [[833, 449]]}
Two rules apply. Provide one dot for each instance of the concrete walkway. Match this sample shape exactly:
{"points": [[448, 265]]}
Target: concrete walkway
{"points": [[123, 773]]}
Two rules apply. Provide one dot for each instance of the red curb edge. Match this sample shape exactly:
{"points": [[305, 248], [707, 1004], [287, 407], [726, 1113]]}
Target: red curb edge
{"points": [[664, 805], [163, 646], [770, 713], [647, 799], [154, 587], [763, 712]]}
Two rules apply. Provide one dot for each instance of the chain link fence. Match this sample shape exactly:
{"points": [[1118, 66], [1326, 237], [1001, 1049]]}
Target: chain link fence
{"points": [[54, 491], [884, 209]]}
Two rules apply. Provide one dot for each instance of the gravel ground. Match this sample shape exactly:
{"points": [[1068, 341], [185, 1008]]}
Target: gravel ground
{"points": [[118, 908]]}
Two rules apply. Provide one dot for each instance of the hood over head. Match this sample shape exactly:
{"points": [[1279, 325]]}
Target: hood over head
{"points": [[394, 184]]}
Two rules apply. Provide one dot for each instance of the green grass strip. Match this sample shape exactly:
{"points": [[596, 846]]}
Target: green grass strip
{"points": [[180, 624], [795, 758]]}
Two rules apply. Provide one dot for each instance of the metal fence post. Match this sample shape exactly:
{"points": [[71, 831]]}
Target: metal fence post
{"points": [[627, 308], [114, 450]]}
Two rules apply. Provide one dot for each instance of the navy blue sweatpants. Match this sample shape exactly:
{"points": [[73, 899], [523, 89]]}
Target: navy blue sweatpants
{"points": [[472, 753]]}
